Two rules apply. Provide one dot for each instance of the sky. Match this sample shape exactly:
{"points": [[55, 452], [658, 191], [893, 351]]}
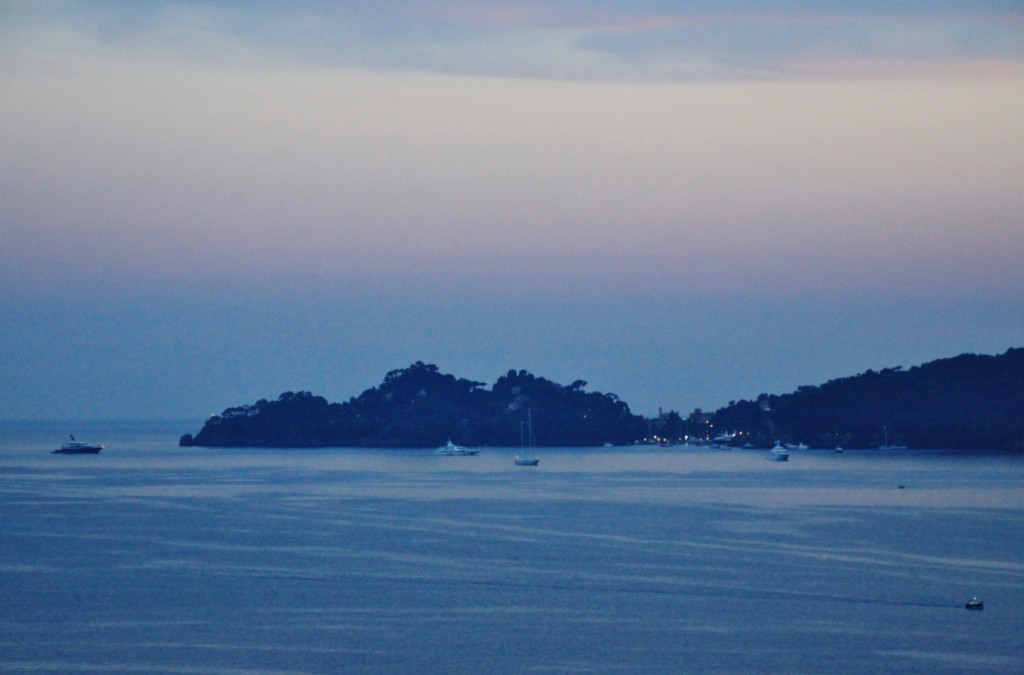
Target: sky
{"points": [[203, 204]]}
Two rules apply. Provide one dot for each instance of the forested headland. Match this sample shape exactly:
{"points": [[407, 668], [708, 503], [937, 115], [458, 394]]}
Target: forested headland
{"points": [[419, 406], [965, 402]]}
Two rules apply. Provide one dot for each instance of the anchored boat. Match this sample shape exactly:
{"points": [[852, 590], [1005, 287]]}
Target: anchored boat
{"points": [[76, 447], [778, 453], [453, 450], [528, 445]]}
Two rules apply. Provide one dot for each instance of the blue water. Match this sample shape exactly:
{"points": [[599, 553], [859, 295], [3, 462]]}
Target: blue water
{"points": [[149, 558]]}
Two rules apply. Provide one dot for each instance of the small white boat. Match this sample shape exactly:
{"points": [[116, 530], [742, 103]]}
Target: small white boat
{"points": [[778, 453], [527, 453], [724, 439], [74, 447], [453, 450], [974, 603]]}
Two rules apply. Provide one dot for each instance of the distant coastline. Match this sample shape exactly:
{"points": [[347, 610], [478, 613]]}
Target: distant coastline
{"points": [[419, 406], [964, 402]]}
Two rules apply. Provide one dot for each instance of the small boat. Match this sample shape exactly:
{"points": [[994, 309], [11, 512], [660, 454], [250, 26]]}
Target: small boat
{"points": [[724, 439], [974, 603], [778, 453], [886, 446], [527, 455], [75, 447], [839, 449], [453, 450]]}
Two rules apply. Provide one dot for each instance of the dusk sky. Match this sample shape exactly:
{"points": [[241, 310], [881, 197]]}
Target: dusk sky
{"points": [[207, 203]]}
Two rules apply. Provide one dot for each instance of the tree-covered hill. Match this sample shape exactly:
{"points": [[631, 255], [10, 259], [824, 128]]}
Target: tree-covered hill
{"points": [[419, 406], [968, 401]]}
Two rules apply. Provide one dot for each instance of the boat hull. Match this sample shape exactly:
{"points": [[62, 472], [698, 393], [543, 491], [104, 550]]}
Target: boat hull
{"points": [[527, 461], [86, 450], [453, 450]]}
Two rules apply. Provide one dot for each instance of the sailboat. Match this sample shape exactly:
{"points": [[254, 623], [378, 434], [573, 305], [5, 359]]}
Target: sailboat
{"points": [[886, 446], [528, 446]]}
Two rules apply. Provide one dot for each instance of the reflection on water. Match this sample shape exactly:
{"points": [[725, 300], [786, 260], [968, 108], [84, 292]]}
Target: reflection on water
{"points": [[153, 558]]}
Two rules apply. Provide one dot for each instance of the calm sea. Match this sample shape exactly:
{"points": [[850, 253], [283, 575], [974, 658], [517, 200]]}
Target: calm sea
{"points": [[149, 558]]}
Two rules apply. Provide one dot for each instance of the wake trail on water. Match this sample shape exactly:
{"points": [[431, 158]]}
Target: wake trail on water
{"points": [[693, 590]]}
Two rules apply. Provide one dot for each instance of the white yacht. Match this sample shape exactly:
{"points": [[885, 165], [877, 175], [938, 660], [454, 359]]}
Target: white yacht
{"points": [[778, 453], [725, 438], [453, 450]]}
